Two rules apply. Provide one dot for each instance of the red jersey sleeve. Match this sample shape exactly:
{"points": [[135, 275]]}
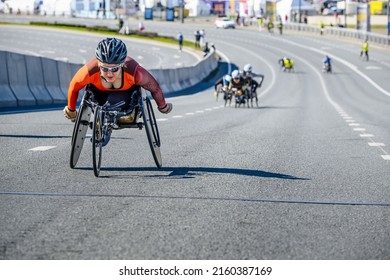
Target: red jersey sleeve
{"points": [[78, 82], [144, 79]]}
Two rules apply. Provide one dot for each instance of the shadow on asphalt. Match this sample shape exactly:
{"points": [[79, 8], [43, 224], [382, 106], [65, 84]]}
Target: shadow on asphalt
{"points": [[190, 172]]}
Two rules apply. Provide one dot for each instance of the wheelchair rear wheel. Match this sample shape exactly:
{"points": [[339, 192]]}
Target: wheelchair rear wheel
{"points": [[151, 128], [79, 132], [97, 140]]}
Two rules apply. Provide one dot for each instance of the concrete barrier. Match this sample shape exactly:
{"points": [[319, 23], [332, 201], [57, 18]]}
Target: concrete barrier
{"points": [[35, 80], [17, 76], [47, 81], [66, 72], [52, 80], [7, 98]]}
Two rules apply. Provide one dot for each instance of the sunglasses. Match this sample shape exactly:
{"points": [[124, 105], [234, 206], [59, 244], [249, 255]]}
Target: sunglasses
{"points": [[111, 69]]}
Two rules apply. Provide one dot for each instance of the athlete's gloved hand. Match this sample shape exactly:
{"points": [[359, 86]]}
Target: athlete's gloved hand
{"points": [[166, 109], [69, 114]]}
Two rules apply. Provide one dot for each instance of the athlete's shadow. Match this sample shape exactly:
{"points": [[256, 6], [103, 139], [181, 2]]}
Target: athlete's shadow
{"points": [[188, 172]]}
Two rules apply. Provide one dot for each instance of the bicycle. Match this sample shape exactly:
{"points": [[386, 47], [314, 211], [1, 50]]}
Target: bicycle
{"points": [[105, 120]]}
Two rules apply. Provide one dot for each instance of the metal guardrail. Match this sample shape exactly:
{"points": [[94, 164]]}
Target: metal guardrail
{"points": [[380, 39]]}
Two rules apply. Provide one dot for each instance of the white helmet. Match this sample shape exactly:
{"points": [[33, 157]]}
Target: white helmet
{"points": [[248, 68], [228, 78], [235, 74]]}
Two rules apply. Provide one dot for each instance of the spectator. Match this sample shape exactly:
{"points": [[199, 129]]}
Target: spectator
{"points": [[280, 26], [141, 26], [120, 23], [180, 40], [206, 49], [202, 34], [197, 39]]}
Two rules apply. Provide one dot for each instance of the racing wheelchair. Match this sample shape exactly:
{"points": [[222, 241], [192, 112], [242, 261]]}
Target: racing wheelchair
{"points": [[105, 119]]}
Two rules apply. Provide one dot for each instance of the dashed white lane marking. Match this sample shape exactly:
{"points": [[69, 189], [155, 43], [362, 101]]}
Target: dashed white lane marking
{"points": [[373, 144], [340, 110], [47, 52], [42, 148], [193, 113], [366, 135], [354, 124], [162, 120], [373, 68], [351, 121], [64, 59]]}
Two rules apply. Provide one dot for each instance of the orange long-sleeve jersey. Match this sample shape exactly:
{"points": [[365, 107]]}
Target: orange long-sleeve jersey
{"points": [[133, 74]]}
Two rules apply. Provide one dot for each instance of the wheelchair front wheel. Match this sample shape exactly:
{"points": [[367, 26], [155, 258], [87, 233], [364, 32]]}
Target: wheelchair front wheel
{"points": [[151, 128], [97, 140], [79, 132]]}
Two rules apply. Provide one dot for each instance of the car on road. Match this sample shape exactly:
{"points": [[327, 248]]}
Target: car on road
{"points": [[225, 23]]}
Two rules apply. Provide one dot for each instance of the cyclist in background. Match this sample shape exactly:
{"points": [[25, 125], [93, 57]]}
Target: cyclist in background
{"points": [[237, 82], [249, 76], [113, 76], [286, 63], [251, 83], [364, 52], [327, 64], [223, 84]]}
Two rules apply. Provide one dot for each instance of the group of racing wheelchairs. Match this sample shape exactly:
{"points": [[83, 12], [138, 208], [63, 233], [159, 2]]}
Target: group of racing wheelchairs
{"points": [[103, 119], [246, 96]]}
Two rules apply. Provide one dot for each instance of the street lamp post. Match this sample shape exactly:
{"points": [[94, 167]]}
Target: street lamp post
{"points": [[299, 10], [345, 13], [388, 18], [181, 11]]}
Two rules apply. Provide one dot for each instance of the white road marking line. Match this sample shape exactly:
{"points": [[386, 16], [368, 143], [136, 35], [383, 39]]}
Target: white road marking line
{"points": [[366, 135], [337, 107], [64, 59], [373, 68], [347, 118], [350, 120], [162, 120], [353, 124], [47, 51], [177, 117], [190, 114], [42, 148], [373, 144], [199, 111], [208, 109], [216, 107]]}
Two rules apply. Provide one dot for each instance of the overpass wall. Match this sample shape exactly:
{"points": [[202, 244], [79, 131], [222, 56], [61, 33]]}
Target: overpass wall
{"points": [[32, 81]]}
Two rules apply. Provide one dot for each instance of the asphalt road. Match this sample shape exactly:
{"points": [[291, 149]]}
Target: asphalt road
{"points": [[303, 176], [77, 47]]}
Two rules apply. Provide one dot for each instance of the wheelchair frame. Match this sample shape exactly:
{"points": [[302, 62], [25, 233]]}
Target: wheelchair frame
{"points": [[105, 119]]}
